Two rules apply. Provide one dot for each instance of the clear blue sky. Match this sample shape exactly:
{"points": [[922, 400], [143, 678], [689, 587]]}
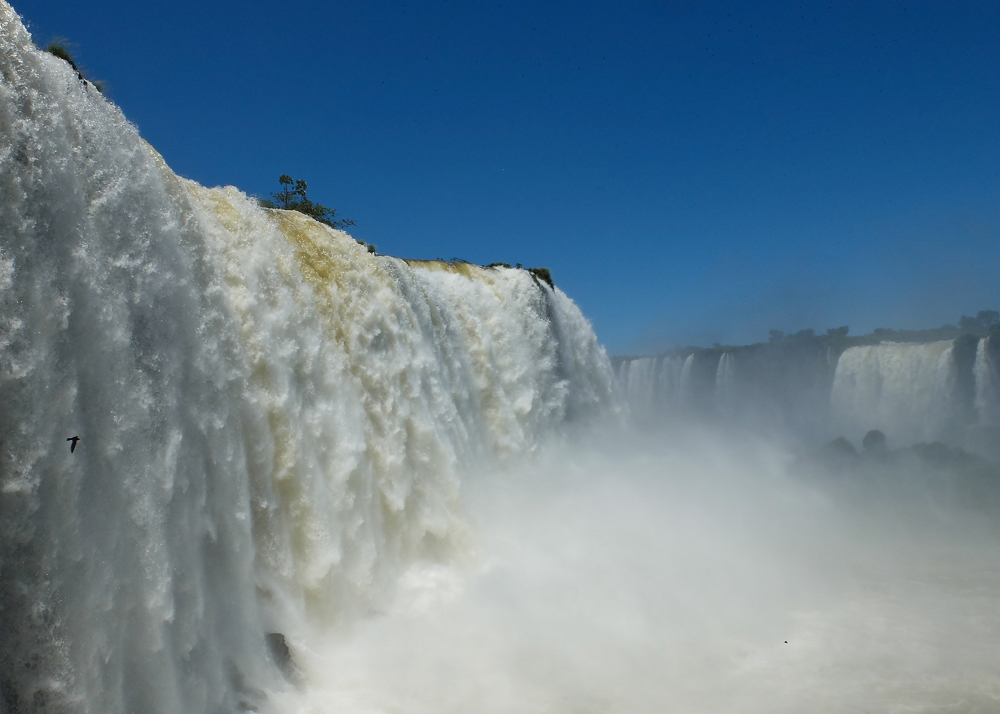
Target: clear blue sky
{"points": [[691, 172]]}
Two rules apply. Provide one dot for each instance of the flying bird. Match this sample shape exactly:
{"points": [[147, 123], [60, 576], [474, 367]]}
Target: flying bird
{"points": [[72, 447]]}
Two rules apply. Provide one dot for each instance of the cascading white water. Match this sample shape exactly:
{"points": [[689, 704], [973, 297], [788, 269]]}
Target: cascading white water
{"points": [[272, 421], [638, 379], [685, 389], [281, 432], [905, 390], [913, 392], [651, 385], [725, 380], [987, 385]]}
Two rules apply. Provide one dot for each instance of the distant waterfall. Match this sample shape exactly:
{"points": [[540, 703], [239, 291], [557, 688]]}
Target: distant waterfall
{"points": [[272, 421], [809, 389], [652, 384], [987, 384], [685, 389], [905, 390], [725, 380], [639, 379]]}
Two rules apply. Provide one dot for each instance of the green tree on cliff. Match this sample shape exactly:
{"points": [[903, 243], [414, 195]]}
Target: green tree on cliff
{"points": [[292, 197]]}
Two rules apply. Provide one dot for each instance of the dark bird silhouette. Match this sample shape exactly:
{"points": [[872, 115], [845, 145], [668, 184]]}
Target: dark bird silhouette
{"points": [[72, 447]]}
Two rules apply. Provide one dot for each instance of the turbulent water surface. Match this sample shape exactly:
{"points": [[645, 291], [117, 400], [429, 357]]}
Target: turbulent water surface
{"points": [[312, 479]]}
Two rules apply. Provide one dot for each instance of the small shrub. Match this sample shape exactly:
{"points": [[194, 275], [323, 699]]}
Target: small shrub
{"points": [[292, 197], [543, 274], [62, 53], [58, 48]]}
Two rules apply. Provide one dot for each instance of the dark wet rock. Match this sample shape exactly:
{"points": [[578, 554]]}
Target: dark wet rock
{"points": [[874, 443], [969, 479], [836, 457], [910, 478], [8, 692], [940, 456], [838, 449], [282, 656]]}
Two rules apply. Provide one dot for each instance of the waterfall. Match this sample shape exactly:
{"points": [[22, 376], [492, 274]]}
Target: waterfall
{"points": [[651, 385], [272, 421], [905, 390], [639, 380], [668, 384], [725, 380], [685, 389], [987, 384], [811, 391]]}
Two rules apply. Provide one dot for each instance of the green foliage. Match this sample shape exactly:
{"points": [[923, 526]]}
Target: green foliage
{"points": [[58, 47], [981, 323], [544, 275], [837, 331], [60, 51], [292, 197]]}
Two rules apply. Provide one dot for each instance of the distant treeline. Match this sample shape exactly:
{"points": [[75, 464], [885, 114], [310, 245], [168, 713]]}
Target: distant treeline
{"points": [[981, 324], [986, 322]]}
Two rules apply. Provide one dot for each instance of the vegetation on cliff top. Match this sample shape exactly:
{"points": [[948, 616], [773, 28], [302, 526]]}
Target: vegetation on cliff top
{"points": [[59, 47], [966, 334], [292, 197], [543, 274]]}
